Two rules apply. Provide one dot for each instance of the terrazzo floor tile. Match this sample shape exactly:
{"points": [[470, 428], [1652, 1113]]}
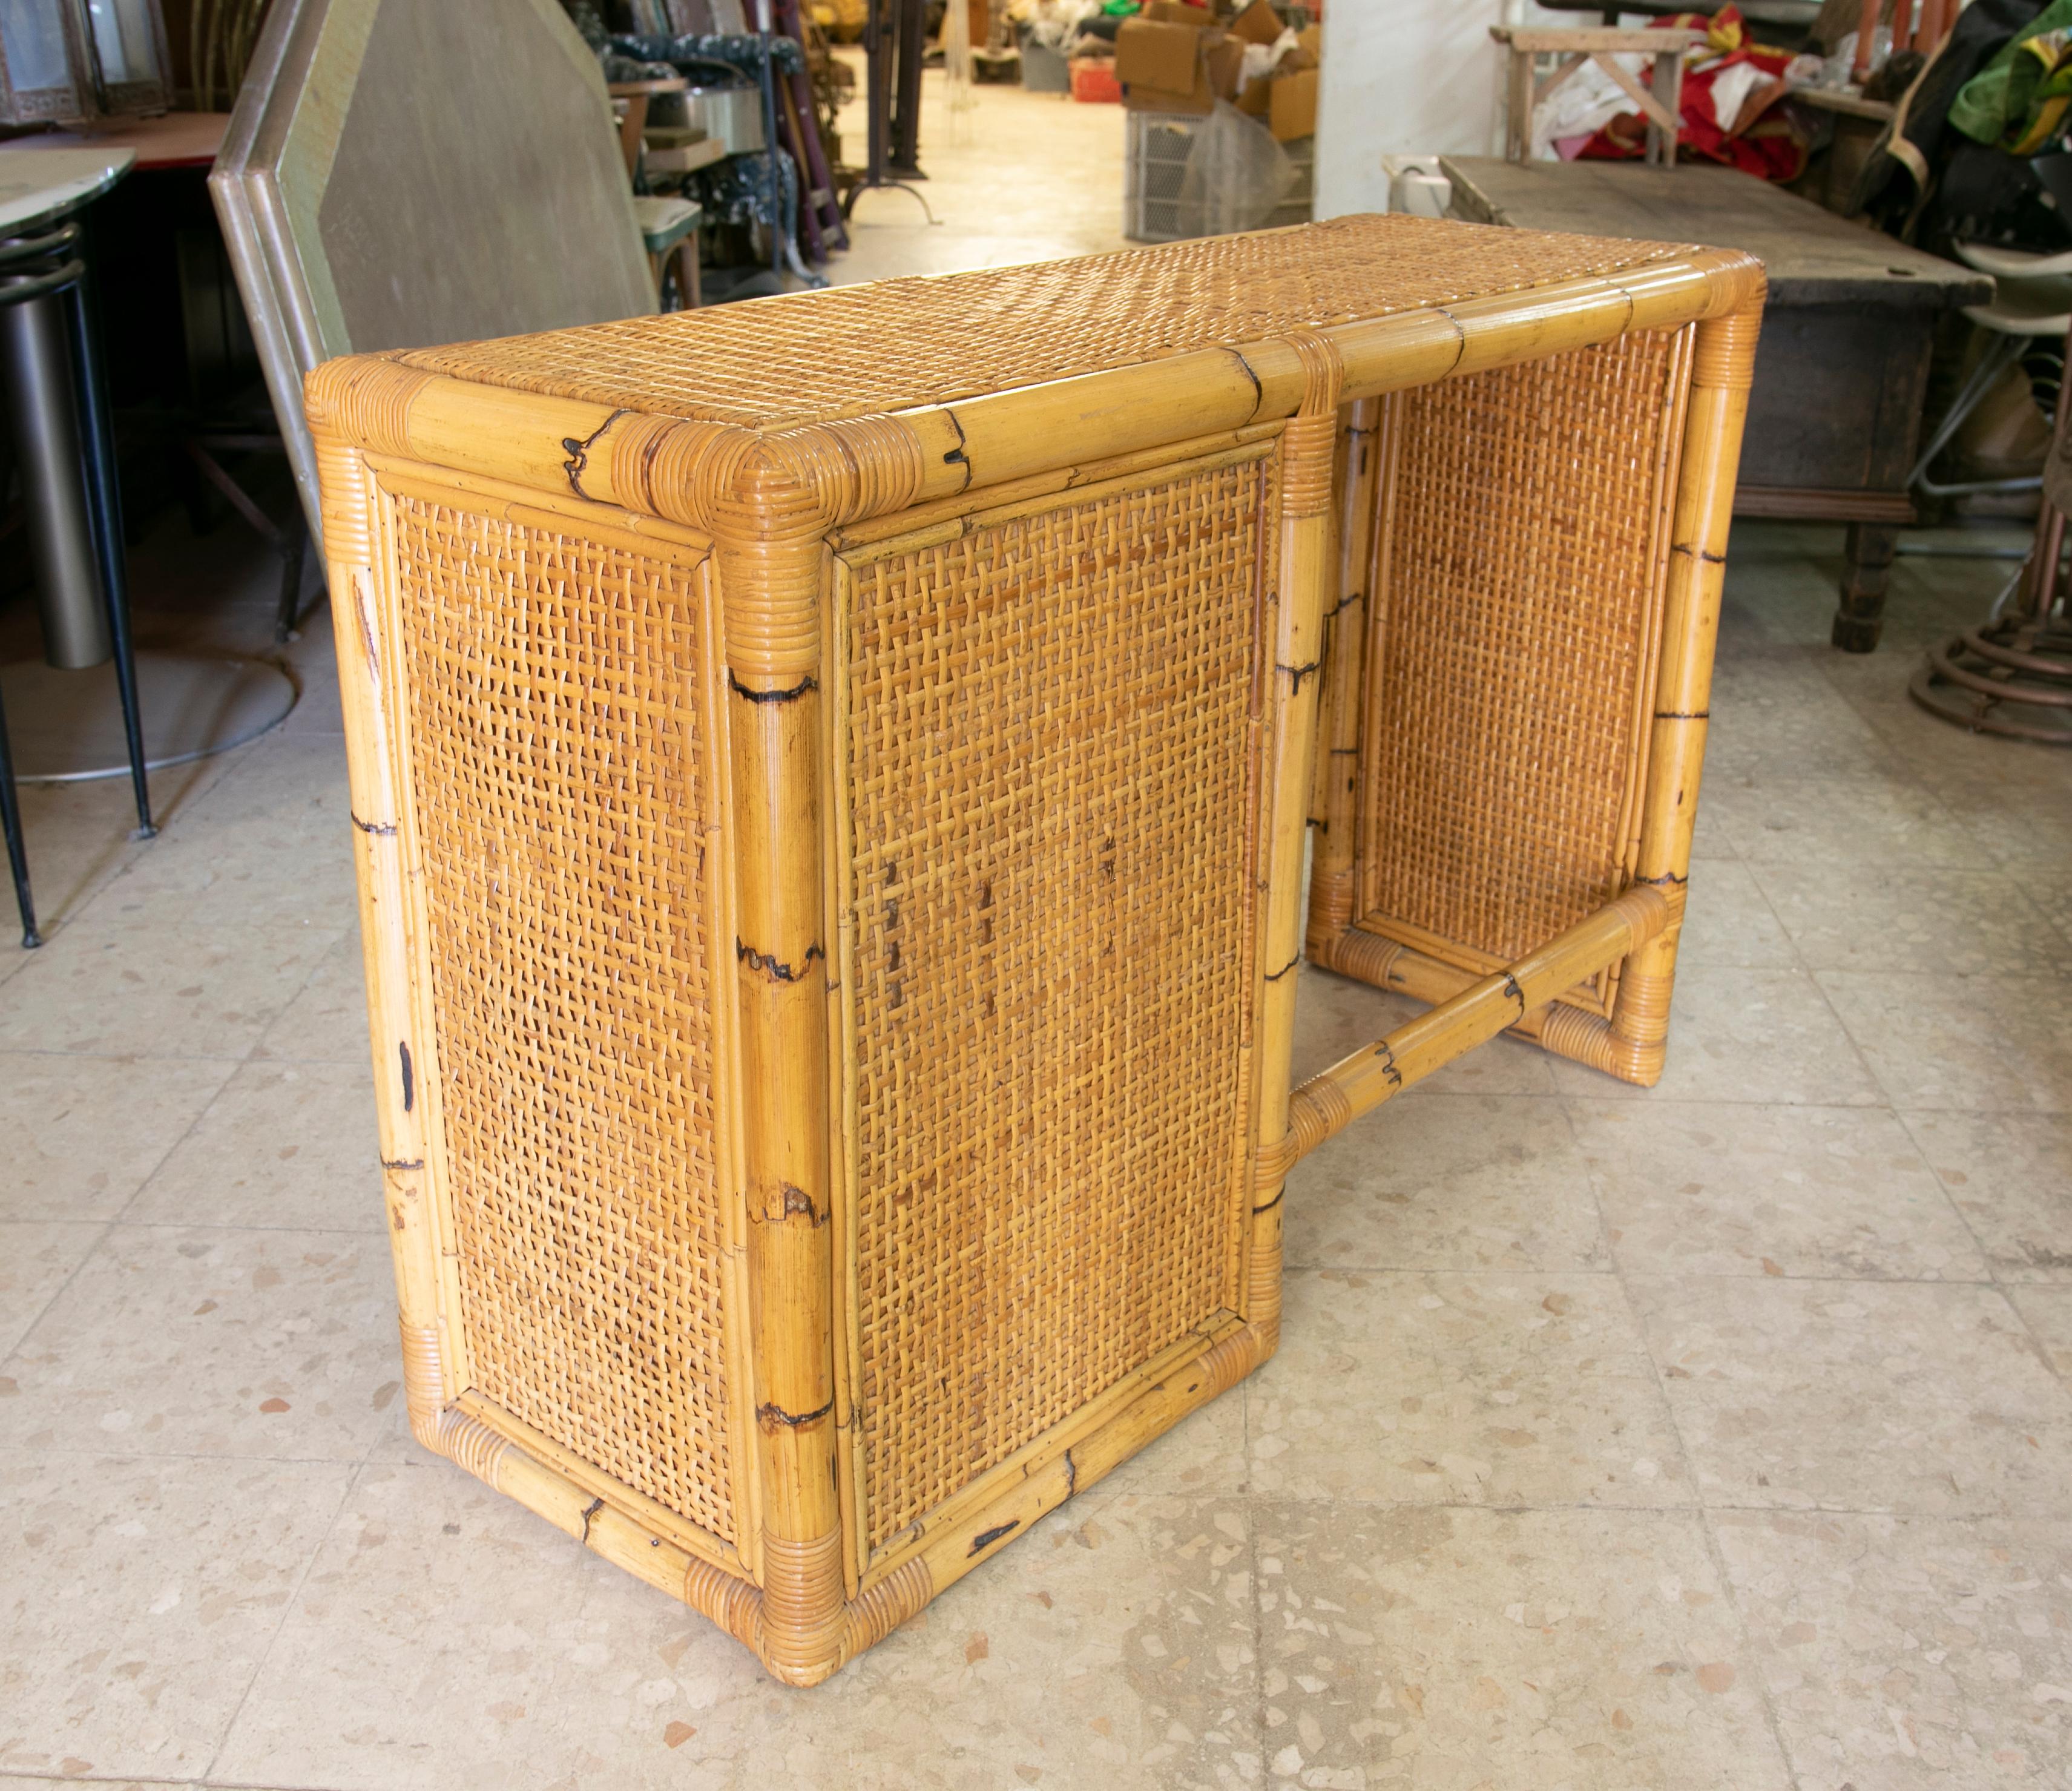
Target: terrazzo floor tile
{"points": [[78, 836], [1994, 1044], [290, 1145], [212, 1341], [139, 1598], [1701, 1187], [1773, 715], [225, 862], [1744, 1036], [1910, 1654], [1883, 817], [2010, 1175], [1448, 1182], [446, 1639], [37, 1258], [2018, 808], [1486, 1389], [1940, 919], [1908, 1398], [106, 984], [326, 1022], [1727, 921], [2048, 1311], [1456, 1650], [83, 1133]]}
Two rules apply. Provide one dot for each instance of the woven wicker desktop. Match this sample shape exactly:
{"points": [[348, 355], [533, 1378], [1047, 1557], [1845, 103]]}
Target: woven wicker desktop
{"points": [[830, 779]]}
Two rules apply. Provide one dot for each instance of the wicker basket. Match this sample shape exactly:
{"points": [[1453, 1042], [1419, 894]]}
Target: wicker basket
{"points": [[829, 780]]}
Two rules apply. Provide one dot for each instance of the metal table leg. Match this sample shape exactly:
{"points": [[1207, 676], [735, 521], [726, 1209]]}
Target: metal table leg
{"points": [[35, 369], [104, 494], [51, 366], [17, 856]]}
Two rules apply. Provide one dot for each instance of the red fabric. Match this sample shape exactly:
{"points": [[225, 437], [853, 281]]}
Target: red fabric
{"points": [[1770, 148]]}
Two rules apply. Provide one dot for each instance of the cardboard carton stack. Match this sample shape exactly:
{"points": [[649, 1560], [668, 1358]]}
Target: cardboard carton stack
{"points": [[1171, 58]]}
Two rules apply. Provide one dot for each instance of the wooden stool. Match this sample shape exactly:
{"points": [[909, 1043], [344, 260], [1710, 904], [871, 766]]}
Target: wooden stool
{"points": [[669, 227], [633, 121], [1523, 92]]}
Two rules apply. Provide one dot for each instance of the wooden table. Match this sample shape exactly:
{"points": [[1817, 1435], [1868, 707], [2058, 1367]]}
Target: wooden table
{"points": [[1842, 373], [173, 140]]}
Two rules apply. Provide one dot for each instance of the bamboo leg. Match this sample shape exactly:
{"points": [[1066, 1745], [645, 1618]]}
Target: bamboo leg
{"points": [[1723, 370], [1335, 799], [780, 963], [366, 696], [1306, 568]]}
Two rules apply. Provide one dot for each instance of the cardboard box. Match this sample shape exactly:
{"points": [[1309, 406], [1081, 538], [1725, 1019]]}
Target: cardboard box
{"points": [[1311, 38], [1291, 105], [1148, 53], [1256, 100], [1258, 23], [1224, 63], [1176, 12]]}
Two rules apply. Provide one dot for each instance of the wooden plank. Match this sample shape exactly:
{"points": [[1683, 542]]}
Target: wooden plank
{"points": [[1813, 257], [1590, 40]]}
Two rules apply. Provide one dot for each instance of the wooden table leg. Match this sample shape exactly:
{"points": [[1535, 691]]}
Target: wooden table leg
{"points": [[1866, 577], [633, 131], [1668, 89], [1518, 109]]}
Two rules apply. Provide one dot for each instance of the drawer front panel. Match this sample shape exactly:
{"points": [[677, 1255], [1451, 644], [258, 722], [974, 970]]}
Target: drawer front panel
{"points": [[1049, 782], [561, 767], [1520, 560]]}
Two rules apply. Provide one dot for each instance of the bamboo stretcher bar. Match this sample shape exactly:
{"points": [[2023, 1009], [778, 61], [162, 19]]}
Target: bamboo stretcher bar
{"points": [[1358, 1084]]}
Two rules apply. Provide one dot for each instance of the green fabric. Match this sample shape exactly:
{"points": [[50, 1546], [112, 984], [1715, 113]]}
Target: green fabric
{"points": [[1999, 103]]}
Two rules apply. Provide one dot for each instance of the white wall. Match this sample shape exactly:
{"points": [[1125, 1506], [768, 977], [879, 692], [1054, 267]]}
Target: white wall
{"points": [[1409, 77]]}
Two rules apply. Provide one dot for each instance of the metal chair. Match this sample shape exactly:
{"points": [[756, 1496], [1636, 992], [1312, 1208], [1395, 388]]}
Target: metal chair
{"points": [[2033, 304]]}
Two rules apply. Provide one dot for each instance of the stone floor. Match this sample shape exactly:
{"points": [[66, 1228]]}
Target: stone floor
{"points": [[1715, 1436]]}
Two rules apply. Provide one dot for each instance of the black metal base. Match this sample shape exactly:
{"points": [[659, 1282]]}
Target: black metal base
{"points": [[867, 186]]}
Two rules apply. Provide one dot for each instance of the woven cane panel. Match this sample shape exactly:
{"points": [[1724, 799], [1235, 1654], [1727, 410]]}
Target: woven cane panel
{"points": [[558, 766], [1049, 792], [1513, 628], [892, 343]]}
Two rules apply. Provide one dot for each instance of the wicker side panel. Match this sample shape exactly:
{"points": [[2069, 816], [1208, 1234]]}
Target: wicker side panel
{"points": [[561, 765], [1051, 784], [1519, 565]]}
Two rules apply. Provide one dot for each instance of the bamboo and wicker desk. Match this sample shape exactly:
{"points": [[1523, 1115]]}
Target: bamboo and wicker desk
{"points": [[830, 779]]}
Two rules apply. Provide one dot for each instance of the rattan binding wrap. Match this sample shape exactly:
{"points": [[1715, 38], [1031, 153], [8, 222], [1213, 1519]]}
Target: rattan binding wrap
{"points": [[830, 781]]}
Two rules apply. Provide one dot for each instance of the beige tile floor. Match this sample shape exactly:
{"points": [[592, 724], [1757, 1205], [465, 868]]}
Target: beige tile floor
{"points": [[1720, 1436]]}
